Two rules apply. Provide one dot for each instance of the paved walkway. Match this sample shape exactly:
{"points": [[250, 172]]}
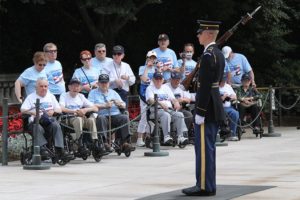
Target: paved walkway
{"points": [[251, 161]]}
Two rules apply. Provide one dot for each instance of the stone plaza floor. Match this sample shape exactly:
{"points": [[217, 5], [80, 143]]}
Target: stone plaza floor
{"points": [[269, 161]]}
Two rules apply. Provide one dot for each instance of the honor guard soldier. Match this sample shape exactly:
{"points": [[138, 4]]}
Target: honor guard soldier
{"points": [[209, 110]]}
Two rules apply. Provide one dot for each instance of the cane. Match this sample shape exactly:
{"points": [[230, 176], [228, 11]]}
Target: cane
{"points": [[109, 127]]}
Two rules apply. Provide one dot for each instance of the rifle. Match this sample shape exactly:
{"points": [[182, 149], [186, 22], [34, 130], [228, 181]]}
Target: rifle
{"points": [[189, 79]]}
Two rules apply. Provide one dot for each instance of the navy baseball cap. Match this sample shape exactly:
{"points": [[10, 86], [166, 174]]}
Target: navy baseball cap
{"points": [[74, 80], [158, 75], [103, 78], [246, 77], [176, 75]]}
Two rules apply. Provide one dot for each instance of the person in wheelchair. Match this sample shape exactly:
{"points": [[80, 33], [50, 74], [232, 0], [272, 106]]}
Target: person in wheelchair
{"points": [[76, 106], [48, 129], [228, 95], [168, 107], [248, 98], [182, 96], [110, 104]]}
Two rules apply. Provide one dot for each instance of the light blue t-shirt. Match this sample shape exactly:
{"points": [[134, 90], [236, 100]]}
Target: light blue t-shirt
{"points": [[150, 73], [237, 66], [189, 67], [101, 65], [55, 76], [89, 76], [29, 77], [167, 57], [97, 97]]}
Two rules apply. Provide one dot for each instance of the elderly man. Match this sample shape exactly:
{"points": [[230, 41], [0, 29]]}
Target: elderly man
{"points": [[227, 95], [77, 106], [167, 59], [236, 65], [120, 73], [109, 104], [48, 128], [54, 71], [100, 61], [248, 97], [167, 112], [182, 96]]}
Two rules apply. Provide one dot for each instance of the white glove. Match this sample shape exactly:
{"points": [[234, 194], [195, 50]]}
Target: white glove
{"points": [[199, 120]]}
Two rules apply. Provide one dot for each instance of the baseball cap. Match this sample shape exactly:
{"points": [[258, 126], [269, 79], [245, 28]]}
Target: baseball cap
{"points": [[158, 75], [74, 80], [175, 75], [103, 78], [151, 53], [226, 51], [118, 49], [163, 36], [246, 77]]}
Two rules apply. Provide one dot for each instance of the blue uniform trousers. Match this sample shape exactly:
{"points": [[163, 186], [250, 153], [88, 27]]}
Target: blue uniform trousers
{"points": [[205, 150]]}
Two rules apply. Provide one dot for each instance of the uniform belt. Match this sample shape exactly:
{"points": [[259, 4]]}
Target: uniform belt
{"points": [[213, 85]]}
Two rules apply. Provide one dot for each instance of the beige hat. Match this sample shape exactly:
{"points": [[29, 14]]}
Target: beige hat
{"points": [[151, 53]]}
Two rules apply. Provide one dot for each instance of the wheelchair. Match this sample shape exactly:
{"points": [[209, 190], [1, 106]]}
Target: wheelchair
{"points": [[247, 121], [72, 145], [173, 134], [27, 151]]}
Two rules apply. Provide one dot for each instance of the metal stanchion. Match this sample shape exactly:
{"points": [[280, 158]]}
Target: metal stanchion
{"points": [[156, 144], [4, 130], [271, 125], [36, 158]]}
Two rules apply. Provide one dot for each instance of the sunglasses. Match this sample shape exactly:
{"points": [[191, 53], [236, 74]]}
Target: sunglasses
{"points": [[101, 51], [86, 59], [41, 65], [51, 51]]}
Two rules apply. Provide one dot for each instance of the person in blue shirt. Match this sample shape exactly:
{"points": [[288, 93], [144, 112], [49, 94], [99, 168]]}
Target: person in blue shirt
{"points": [[236, 65], [29, 77], [109, 104], [54, 71], [186, 63], [100, 61], [86, 74], [167, 59]]}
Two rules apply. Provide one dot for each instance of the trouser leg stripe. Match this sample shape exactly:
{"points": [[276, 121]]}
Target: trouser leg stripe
{"points": [[202, 141]]}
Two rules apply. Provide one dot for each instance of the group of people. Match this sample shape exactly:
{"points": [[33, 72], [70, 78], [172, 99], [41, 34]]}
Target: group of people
{"points": [[102, 85]]}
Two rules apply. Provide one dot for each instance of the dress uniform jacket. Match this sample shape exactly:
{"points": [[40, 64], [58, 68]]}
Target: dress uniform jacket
{"points": [[208, 100]]}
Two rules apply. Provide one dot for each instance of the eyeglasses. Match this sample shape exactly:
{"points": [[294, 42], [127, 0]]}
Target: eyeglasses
{"points": [[117, 54], [41, 65], [51, 51], [101, 51], [86, 59]]}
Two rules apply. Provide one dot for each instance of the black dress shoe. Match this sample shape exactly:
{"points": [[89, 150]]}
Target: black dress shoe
{"points": [[196, 191]]}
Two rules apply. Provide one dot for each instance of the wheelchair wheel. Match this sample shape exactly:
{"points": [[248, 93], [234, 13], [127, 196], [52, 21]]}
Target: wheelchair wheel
{"points": [[97, 156], [25, 158], [62, 162], [127, 153], [84, 157], [148, 143]]}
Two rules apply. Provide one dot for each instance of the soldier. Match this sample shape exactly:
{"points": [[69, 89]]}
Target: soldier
{"points": [[208, 112]]}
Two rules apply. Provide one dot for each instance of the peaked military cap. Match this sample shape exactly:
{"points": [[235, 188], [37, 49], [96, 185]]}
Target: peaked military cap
{"points": [[208, 25]]}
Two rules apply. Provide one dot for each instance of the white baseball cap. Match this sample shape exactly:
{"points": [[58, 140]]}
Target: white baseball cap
{"points": [[226, 51], [151, 53]]}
